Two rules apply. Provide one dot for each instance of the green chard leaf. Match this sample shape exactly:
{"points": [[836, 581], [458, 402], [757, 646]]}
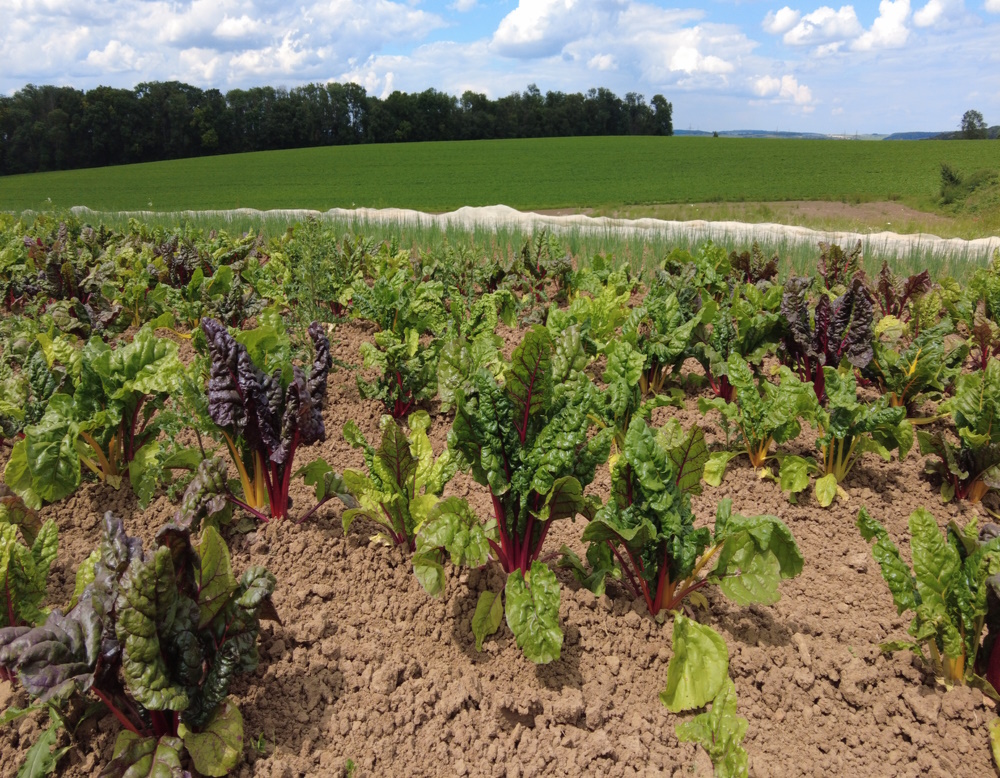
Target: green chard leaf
{"points": [[720, 732], [699, 667], [532, 610]]}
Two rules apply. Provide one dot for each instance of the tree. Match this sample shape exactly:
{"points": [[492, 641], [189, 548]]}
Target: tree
{"points": [[973, 126]]}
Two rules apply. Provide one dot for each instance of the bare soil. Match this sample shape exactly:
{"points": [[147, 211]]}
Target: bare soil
{"points": [[368, 670]]}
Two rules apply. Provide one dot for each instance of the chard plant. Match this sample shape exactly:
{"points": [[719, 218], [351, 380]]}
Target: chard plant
{"points": [[985, 339], [661, 330], [752, 267], [925, 367], [947, 592], [648, 526], [598, 314], [107, 417], [404, 480], [970, 468], [894, 295], [763, 413], [834, 331], [836, 267], [851, 428], [471, 343], [747, 325], [264, 419], [527, 440], [157, 637], [24, 572], [720, 731], [403, 310]]}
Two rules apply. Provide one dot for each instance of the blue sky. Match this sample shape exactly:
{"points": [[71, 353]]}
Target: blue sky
{"points": [[866, 67]]}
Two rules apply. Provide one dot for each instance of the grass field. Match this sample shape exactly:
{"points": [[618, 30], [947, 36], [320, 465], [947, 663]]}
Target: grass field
{"points": [[596, 173]]}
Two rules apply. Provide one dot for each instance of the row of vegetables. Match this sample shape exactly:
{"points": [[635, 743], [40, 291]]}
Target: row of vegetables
{"points": [[157, 636]]}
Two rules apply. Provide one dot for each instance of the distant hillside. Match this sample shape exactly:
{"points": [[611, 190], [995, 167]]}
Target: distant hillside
{"points": [[912, 135], [755, 134], [992, 133]]}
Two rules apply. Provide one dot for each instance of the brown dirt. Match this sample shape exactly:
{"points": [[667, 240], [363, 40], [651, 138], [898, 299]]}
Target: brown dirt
{"points": [[367, 669]]}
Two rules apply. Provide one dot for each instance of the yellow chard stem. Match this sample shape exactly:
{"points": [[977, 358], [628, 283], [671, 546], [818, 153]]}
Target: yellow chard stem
{"points": [[105, 468], [245, 481]]}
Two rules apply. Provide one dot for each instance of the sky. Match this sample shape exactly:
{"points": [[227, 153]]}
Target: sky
{"points": [[891, 66]]}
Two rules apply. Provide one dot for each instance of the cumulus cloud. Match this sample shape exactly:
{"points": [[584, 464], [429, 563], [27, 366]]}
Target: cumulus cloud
{"points": [[541, 28], [463, 5], [116, 57], [602, 62], [825, 25], [890, 29], [690, 60], [938, 12], [781, 21], [243, 27], [787, 89], [993, 6]]}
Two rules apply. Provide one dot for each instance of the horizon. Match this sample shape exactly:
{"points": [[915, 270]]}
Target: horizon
{"points": [[864, 68]]}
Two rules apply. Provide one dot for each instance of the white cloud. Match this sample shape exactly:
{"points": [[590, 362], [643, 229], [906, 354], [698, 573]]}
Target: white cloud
{"points": [[825, 25], [938, 12], [200, 65], [784, 89], [690, 60], [115, 57], [602, 62], [541, 28], [890, 30], [778, 22], [993, 6], [284, 59], [463, 5], [243, 27]]}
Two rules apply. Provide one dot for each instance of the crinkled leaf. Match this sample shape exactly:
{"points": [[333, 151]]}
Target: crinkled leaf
{"points": [[699, 667], [826, 490], [757, 552], [894, 570], [137, 757], [532, 610], [720, 732], [715, 467], [217, 748]]}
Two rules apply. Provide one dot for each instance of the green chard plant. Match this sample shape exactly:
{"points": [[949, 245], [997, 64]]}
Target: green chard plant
{"points": [[647, 530], [662, 330], [527, 440], [107, 417], [746, 325], [403, 310], [851, 428], [404, 480], [24, 573], [762, 413], [947, 591], [925, 367], [157, 637], [970, 469], [471, 343]]}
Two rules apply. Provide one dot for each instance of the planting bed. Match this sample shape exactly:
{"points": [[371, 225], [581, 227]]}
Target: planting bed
{"points": [[367, 670]]}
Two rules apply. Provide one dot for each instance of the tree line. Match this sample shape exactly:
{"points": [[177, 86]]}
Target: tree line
{"points": [[60, 128]]}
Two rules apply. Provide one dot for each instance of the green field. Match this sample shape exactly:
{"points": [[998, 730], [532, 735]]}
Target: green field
{"points": [[525, 174]]}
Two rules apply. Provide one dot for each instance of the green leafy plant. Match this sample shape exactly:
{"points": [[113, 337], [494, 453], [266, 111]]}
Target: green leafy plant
{"points": [[762, 413], [24, 574], [108, 419], [661, 330], [970, 469], [946, 591], [648, 526], [720, 731], [528, 442], [746, 325], [927, 366], [471, 343], [404, 311], [157, 637], [403, 483], [851, 428]]}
